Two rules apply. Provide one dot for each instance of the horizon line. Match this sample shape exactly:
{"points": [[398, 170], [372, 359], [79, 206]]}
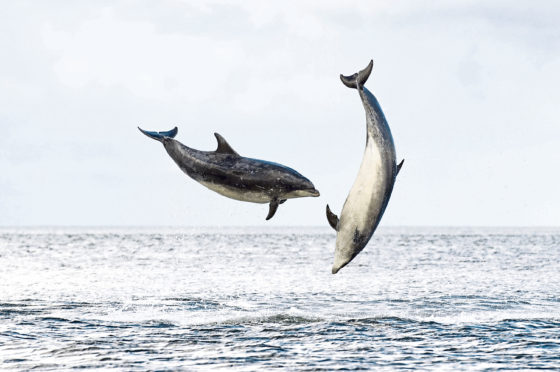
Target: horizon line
{"points": [[263, 226]]}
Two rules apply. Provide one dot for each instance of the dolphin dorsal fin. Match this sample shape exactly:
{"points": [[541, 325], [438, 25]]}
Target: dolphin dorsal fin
{"points": [[223, 146]]}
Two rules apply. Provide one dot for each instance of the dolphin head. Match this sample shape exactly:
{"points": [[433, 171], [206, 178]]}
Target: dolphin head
{"points": [[349, 242], [302, 187]]}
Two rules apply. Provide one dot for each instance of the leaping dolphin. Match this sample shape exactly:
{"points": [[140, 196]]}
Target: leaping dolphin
{"points": [[230, 174], [372, 188]]}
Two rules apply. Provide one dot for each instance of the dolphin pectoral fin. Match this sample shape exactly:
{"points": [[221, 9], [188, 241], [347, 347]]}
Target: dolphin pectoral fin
{"points": [[223, 146], [358, 79], [273, 207], [332, 218], [399, 166]]}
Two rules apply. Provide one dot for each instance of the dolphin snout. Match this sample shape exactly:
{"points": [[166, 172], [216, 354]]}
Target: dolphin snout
{"points": [[303, 192]]}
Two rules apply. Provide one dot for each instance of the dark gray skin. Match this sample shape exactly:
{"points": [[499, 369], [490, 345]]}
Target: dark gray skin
{"points": [[227, 173]]}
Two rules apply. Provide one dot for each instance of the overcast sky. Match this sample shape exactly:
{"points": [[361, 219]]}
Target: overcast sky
{"points": [[469, 88]]}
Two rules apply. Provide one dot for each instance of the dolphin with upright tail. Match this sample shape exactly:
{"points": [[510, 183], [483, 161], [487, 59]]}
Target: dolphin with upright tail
{"points": [[372, 188], [230, 174]]}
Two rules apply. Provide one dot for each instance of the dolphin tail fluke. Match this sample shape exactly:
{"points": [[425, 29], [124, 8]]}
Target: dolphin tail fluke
{"points": [[357, 80], [159, 136]]}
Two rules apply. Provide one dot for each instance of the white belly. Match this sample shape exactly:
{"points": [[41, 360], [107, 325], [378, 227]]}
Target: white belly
{"points": [[230, 192], [367, 193]]}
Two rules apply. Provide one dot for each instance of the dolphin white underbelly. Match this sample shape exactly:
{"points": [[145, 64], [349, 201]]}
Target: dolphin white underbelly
{"points": [[366, 194], [234, 193]]}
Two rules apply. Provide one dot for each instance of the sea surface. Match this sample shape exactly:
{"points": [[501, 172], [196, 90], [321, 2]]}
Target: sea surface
{"points": [[264, 298]]}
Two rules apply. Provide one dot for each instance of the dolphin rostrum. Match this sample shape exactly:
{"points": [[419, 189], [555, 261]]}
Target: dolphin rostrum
{"points": [[230, 174], [372, 188]]}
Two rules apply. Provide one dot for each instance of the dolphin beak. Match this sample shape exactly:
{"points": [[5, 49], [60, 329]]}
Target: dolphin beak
{"points": [[314, 192], [337, 266]]}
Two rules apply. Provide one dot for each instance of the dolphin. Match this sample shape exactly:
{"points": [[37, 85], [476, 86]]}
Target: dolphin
{"points": [[372, 188], [230, 174]]}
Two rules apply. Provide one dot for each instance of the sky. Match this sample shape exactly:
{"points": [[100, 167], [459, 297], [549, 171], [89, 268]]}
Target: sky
{"points": [[469, 89]]}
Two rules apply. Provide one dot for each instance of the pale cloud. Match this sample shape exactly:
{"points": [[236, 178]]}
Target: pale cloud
{"points": [[113, 52]]}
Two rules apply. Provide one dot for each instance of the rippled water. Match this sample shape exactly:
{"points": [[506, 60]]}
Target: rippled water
{"points": [[251, 299]]}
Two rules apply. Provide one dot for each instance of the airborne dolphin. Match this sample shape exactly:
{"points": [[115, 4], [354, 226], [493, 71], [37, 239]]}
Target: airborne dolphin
{"points": [[372, 188], [230, 174]]}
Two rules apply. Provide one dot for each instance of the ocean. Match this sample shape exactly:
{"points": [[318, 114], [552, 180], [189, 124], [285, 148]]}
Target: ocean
{"points": [[264, 298]]}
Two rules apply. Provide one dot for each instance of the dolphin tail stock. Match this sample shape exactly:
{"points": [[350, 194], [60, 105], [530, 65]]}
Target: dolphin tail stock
{"points": [[358, 79], [160, 136]]}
